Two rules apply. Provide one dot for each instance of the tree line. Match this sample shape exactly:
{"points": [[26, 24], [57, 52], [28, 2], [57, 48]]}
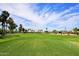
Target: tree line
{"points": [[7, 22]]}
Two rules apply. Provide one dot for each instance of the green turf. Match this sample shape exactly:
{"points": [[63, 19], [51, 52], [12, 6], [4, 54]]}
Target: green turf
{"points": [[32, 44]]}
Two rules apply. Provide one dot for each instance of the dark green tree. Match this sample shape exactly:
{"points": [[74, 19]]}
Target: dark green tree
{"points": [[55, 31], [20, 28], [3, 20], [46, 30], [76, 30], [12, 25]]}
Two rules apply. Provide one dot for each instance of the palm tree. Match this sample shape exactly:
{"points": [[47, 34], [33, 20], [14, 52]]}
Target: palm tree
{"points": [[20, 28], [23, 30], [12, 25], [3, 19], [46, 30]]}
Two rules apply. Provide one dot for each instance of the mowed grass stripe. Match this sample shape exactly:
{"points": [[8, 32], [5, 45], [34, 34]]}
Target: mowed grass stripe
{"points": [[38, 44]]}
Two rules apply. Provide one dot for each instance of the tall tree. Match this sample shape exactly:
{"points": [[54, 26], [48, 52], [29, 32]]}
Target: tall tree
{"points": [[46, 30], [20, 28], [3, 19], [12, 25]]}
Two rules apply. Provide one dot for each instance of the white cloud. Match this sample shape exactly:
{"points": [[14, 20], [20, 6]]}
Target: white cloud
{"points": [[25, 11]]}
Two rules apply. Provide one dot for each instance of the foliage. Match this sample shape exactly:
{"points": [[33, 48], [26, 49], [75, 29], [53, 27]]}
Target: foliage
{"points": [[3, 19], [21, 29], [55, 31], [76, 30], [12, 25]]}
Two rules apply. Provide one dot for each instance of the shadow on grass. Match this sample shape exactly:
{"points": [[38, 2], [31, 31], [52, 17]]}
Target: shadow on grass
{"points": [[9, 36], [2, 37]]}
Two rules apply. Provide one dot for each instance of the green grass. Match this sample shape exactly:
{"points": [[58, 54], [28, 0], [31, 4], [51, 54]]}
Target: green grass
{"points": [[33, 44]]}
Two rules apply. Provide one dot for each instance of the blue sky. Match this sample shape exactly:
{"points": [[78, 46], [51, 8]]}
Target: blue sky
{"points": [[44, 15]]}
